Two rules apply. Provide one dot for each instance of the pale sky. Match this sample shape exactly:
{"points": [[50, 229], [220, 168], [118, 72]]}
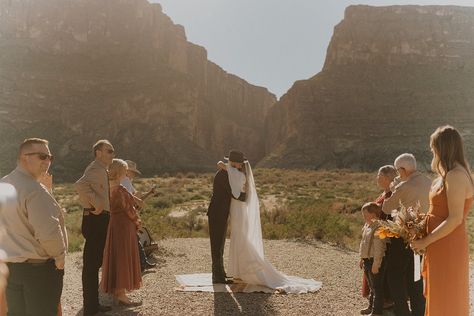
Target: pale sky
{"points": [[269, 43]]}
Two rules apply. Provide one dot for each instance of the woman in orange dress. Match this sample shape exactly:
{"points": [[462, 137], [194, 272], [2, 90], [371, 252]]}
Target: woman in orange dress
{"points": [[446, 260], [121, 264]]}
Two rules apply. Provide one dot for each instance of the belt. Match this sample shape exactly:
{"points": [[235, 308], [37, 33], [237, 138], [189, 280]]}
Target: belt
{"points": [[88, 211], [38, 260], [33, 261]]}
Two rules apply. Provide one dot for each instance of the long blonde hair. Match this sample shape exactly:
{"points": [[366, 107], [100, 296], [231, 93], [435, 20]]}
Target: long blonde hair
{"points": [[448, 148]]}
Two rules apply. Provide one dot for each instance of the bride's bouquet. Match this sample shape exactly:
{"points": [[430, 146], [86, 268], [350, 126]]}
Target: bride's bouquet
{"points": [[409, 224]]}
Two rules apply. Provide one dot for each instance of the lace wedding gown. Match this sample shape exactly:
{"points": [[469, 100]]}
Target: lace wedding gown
{"points": [[246, 258]]}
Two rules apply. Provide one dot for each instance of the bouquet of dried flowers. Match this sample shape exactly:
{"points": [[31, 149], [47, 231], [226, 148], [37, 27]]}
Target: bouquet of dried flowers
{"points": [[409, 224]]}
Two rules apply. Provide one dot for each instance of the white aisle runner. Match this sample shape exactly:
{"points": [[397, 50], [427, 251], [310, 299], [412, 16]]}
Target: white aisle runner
{"points": [[202, 282]]}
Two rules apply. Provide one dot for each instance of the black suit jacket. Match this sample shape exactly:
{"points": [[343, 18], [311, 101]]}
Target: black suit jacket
{"points": [[221, 196]]}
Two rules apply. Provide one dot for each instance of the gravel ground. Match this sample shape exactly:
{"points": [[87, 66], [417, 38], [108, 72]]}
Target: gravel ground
{"points": [[335, 267]]}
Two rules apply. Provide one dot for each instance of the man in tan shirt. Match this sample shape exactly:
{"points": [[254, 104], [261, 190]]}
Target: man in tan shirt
{"points": [[35, 239], [93, 190], [414, 188], [7, 200]]}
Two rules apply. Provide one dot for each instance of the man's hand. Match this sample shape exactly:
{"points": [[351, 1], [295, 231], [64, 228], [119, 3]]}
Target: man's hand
{"points": [[221, 165], [59, 264], [394, 183], [47, 180], [98, 209], [375, 269], [3, 277]]}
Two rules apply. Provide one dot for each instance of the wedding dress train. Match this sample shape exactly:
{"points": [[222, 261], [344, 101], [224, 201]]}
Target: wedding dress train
{"points": [[246, 258]]}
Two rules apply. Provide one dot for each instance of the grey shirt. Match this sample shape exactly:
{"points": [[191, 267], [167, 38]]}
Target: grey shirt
{"points": [[34, 229]]}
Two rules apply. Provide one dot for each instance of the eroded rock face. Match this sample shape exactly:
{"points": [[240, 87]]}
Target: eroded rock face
{"points": [[391, 76], [403, 35], [77, 71]]}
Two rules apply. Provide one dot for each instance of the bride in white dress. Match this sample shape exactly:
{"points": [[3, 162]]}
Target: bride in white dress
{"points": [[246, 258]]}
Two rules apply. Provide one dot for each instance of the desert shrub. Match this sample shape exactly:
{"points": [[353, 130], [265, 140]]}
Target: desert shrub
{"points": [[197, 197], [162, 202], [177, 199], [191, 175]]}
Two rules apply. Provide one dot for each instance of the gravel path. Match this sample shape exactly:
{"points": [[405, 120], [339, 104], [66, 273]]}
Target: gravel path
{"points": [[336, 268]]}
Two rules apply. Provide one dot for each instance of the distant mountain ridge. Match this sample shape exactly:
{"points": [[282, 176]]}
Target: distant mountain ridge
{"points": [[77, 71], [391, 76]]}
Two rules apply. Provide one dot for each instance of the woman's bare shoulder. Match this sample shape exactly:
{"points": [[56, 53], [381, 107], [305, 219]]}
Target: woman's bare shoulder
{"points": [[460, 177]]}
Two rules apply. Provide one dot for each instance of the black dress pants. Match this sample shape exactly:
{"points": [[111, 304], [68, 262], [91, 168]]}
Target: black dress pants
{"points": [[217, 233], [400, 271], [376, 284], [34, 289], [94, 230]]}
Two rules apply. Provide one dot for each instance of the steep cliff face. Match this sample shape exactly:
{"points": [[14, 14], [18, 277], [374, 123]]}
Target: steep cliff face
{"points": [[77, 71], [391, 76]]}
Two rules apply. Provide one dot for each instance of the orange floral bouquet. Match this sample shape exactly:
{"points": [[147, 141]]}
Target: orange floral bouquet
{"points": [[409, 224]]}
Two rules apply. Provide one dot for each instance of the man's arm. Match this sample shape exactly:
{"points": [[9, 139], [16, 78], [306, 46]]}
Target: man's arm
{"points": [[221, 186], [393, 202], [88, 186], [44, 216]]}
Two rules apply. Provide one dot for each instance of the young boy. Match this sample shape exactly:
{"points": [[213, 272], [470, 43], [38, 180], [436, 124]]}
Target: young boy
{"points": [[372, 251]]}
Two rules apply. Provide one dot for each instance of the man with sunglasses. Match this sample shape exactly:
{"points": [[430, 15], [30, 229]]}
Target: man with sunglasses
{"points": [[93, 190], [35, 239]]}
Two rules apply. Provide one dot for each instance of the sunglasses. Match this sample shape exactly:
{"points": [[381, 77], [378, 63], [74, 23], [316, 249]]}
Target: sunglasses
{"points": [[42, 156]]}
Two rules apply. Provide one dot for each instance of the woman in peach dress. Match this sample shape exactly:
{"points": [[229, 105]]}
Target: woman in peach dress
{"points": [[446, 260], [121, 264]]}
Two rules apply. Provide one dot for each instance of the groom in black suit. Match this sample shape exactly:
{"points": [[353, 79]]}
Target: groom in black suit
{"points": [[218, 214]]}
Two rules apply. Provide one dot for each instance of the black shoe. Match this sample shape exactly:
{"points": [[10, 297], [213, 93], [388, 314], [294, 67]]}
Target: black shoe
{"points": [[104, 308], [149, 265], [219, 281]]}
